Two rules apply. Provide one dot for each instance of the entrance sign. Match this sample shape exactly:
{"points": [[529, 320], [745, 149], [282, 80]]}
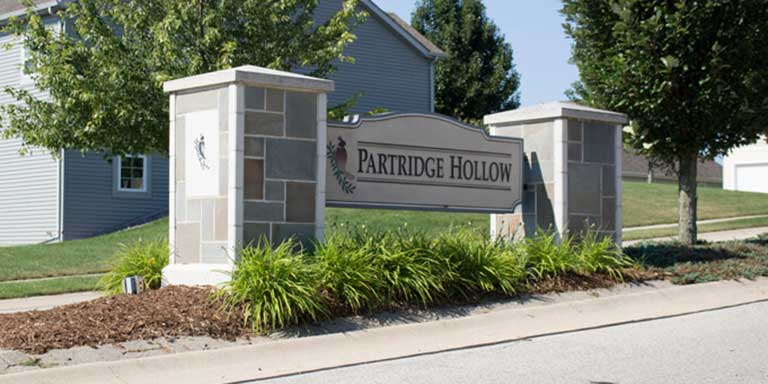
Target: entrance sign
{"points": [[253, 158], [421, 161]]}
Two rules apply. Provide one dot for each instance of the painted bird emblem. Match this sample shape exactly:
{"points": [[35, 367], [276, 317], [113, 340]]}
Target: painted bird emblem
{"points": [[200, 151], [341, 158]]}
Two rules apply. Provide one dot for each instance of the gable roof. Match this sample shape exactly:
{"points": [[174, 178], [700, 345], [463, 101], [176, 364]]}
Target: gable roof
{"points": [[10, 8], [423, 40]]}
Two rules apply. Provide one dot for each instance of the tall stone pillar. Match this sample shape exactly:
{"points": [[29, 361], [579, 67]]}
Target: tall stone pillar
{"points": [[246, 165], [572, 168]]}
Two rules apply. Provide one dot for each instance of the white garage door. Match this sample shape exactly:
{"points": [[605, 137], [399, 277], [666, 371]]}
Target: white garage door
{"points": [[752, 177]]}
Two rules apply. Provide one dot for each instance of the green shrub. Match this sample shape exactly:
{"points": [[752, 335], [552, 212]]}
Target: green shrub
{"points": [[588, 254], [345, 271], [274, 287], [478, 264], [597, 254], [409, 272], [365, 270], [142, 258], [546, 257]]}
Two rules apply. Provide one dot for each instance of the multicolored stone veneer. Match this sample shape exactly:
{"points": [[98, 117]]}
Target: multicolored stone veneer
{"points": [[280, 165]]}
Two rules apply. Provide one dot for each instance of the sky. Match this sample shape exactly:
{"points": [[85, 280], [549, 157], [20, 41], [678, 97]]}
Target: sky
{"points": [[541, 49]]}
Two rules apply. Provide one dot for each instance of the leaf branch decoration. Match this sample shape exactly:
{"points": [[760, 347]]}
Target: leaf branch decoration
{"points": [[341, 178]]}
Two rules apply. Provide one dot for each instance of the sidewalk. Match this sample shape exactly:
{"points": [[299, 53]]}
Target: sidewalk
{"points": [[539, 316], [712, 237], [39, 303], [699, 222]]}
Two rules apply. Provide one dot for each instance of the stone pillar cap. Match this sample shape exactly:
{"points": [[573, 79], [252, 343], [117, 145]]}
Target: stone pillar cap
{"points": [[555, 110], [253, 76]]}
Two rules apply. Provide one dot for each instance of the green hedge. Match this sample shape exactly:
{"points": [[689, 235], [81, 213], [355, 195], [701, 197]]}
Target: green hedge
{"points": [[365, 271]]}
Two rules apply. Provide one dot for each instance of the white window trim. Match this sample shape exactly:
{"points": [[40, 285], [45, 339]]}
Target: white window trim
{"points": [[143, 175], [25, 78]]}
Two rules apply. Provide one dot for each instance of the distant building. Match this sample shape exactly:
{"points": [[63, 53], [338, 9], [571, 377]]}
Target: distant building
{"points": [[637, 167], [746, 168], [45, 198]]}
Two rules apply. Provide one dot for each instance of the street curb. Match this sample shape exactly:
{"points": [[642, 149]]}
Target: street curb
{"points": [[300, 355]]}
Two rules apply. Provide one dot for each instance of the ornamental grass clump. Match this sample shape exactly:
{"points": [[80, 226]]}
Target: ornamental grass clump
{"points": [[409, 273], [145, 258], [599, 254], [345, 272], [274, 287], [478, 265], [278, 286], [590, 253], [547, 257]]}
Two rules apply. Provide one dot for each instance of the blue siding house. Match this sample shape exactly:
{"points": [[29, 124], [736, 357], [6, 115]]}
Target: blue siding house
{"points": [[45, 198]]}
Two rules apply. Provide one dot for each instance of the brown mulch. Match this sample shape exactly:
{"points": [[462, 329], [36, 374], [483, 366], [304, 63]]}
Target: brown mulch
{"points": [[178, 311], [168, 312]]}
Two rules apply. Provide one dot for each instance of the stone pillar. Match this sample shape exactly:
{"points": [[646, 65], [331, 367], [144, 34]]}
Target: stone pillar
{"points": [[572, 168], [246, 165]]}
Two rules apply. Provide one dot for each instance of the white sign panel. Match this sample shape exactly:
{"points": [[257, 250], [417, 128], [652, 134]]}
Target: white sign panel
{"points": [[421, 161], [201, 163]]}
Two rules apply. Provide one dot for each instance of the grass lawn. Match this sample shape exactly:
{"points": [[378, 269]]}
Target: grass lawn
{"points": [[430, 222], [644, 204], [75, 257], [648, 204]]}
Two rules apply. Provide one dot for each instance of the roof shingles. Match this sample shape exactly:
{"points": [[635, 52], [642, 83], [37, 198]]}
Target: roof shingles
{"points": [[423, 40]]}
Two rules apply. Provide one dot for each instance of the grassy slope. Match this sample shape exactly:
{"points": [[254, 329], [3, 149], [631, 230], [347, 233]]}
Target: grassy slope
{"points": [[643, 204], [648, 204], [75, 257], [430, 222]]}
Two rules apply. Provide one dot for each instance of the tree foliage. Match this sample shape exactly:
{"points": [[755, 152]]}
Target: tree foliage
{"points": [[478, 77], [105, 69], [691, 75]]}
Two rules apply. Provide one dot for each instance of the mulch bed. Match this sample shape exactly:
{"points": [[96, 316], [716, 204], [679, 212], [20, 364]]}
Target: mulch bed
{"points": [[168, 312], [177, 311]]}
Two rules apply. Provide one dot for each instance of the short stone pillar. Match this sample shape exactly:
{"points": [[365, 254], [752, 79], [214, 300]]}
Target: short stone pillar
{"points": [[572, 168], [247, 151]]}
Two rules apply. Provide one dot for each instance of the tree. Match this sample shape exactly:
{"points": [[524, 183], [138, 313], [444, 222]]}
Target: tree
{"points": [[478, 77], [691, 75], [105, 70]]}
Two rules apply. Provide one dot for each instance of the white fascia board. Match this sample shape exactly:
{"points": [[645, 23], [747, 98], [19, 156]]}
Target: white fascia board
{"points": [[38, 8], [378, 12]]}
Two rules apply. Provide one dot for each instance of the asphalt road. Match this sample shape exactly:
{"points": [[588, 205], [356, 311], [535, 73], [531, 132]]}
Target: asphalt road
{"points": [[723, 346]]}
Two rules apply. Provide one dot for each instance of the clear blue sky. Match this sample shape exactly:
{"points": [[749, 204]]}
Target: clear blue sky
{"points": [[534, 30]]}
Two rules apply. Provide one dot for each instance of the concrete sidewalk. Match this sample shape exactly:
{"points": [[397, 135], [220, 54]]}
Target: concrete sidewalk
{"points": [[712, 237], [39, 303], [580, 311], [699, 222]]}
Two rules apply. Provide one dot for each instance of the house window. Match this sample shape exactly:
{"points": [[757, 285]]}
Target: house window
{"points": [[27, 65], [132, 173]]}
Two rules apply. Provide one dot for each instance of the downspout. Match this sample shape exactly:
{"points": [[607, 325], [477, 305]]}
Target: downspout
{"points": [[61, 195], [432, 85]]}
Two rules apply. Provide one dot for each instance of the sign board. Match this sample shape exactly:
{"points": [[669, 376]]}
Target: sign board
{"points": [[421, 161]]}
